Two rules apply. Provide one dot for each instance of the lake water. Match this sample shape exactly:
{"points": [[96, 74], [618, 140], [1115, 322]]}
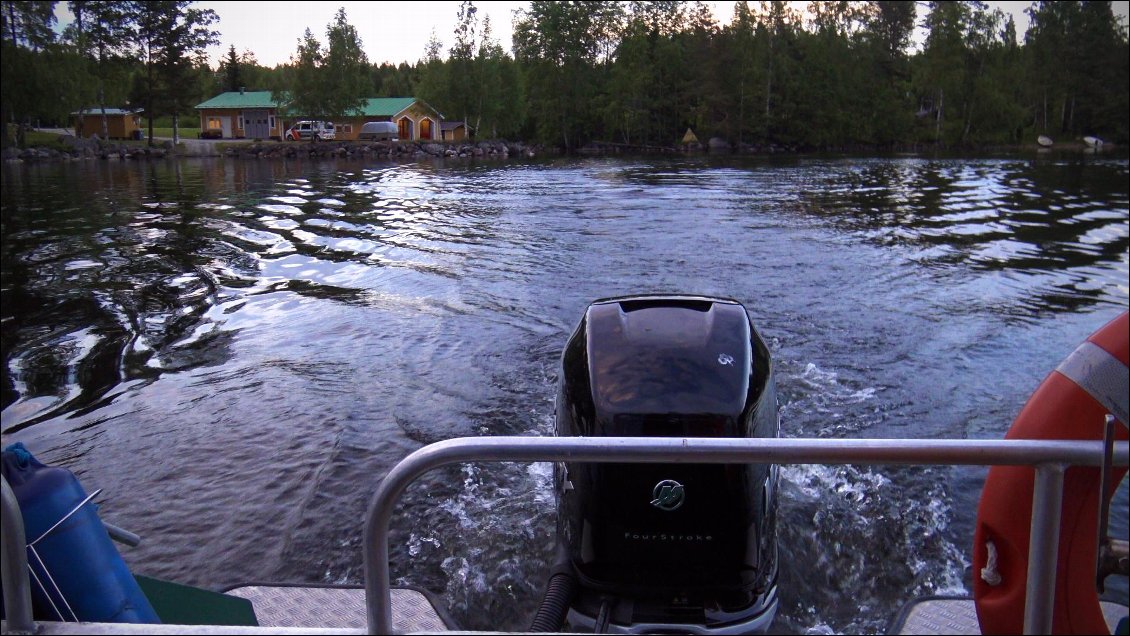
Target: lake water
{"points": [[238, 351]]}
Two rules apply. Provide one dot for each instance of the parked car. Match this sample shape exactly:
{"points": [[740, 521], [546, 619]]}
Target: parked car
{"points": [[212, 133], [378, 131], [316, 130]]}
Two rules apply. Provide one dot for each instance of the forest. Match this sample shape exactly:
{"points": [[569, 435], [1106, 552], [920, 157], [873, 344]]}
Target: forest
{"points": [[836, 75]]}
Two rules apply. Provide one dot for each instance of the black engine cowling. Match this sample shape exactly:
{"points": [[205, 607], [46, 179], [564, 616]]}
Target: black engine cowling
{"points": [[674, 544]]}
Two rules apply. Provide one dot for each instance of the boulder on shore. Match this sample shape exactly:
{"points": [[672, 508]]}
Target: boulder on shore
{"points": [[717, 144]]}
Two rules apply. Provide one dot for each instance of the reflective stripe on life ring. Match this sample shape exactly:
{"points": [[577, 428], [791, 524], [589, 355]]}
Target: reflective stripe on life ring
{"points": [[1070, 404], [1103, 376]]}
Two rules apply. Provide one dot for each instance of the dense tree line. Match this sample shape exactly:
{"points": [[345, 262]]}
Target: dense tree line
{"points": [[837, 75], [148, 53], [842, 74]]}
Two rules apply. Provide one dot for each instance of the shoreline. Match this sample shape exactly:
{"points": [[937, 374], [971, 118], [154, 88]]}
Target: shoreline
{"points": [[69, 148]]}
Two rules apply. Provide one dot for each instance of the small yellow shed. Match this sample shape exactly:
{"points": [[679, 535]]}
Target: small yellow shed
{"points": [[120, 123], [453, 130]]}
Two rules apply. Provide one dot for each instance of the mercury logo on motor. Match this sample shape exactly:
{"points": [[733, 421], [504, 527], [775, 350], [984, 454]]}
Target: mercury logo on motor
{"points": [[668, 495]]}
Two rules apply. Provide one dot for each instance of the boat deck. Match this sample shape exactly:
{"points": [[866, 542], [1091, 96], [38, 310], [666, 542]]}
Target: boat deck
{"points": [[955, 615], [291, 609], [338, 607], [288, 609]]}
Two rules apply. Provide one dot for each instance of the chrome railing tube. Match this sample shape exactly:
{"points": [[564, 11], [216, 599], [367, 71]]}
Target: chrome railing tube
{"points": [[1043, 549], [14, 574]]}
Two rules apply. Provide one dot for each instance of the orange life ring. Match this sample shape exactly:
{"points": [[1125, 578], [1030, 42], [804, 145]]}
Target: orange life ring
{"points": [[1070, 404]]}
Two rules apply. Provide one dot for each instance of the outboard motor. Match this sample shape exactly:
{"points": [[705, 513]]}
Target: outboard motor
{"points": [[667, 547]]}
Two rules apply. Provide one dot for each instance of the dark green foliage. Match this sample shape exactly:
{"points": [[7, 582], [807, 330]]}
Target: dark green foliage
{"points": [[232, 71], [27, 23], [564, 49], [463, 73], [433, 85], [256, 77], [25, 35], [1077, 72], [329, 82], [395, 81], [170, 38], [101, 36], [648, 97]]}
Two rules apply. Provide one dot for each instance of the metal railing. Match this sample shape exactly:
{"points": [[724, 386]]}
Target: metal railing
{"points": [[13, 569], [1049, 459]]}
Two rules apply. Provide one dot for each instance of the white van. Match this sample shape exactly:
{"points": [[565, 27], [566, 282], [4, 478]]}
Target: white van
{"points": [[378, 131], [316, 130]]}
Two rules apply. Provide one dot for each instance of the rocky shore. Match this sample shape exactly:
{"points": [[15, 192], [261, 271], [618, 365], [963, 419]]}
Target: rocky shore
{"points": [[715, 145], [70, 148], [380, 150]]}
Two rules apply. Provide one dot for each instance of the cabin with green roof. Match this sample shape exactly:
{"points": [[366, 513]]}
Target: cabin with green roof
{"points": [[415, 119], [241, 114], [254, 115]]}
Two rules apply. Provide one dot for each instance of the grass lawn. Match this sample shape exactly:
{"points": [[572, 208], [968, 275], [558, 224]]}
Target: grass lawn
{"points": [[43, 139], [167, 133], [38, 139]]}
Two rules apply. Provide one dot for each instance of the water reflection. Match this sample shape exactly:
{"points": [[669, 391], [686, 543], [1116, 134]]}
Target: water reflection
{"points": [[273, 336], [1061, 222]]}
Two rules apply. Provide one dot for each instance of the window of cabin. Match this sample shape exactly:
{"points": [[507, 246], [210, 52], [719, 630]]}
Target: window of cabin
{"points": [[214, 123]]}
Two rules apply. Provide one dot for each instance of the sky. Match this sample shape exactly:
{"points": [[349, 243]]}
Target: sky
{"points": [[397, 32]]}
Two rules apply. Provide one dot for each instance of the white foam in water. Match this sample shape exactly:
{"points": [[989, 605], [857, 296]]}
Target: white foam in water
{"points": [[469, 494], [851, 505], [827, 383], [821, 402], [542, 475], [818, 480], [948, 568], [415, 542], [462, 576]]}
